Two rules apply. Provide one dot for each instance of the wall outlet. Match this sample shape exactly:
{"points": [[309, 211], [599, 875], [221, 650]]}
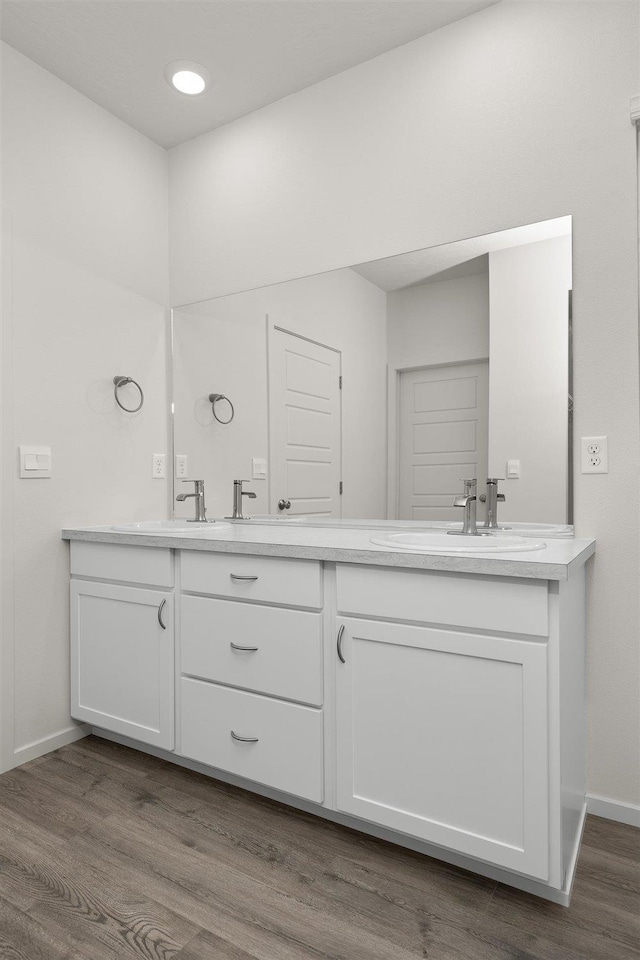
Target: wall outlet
{"points": [[594, 454], [159, 466], [182, 466]]}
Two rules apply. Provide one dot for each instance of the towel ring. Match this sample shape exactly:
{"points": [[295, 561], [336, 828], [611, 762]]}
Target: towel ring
{"points": [[121, 382], [214, 398]]}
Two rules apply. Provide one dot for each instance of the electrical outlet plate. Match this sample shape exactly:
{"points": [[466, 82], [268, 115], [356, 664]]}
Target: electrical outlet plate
{"points": [[594, 455], [182, 466], [159, 466]]}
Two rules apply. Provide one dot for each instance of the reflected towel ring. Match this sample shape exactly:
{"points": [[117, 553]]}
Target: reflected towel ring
{"points": [[214, 398], [121, 382]]}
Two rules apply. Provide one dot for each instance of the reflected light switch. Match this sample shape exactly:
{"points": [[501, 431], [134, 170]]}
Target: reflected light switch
{"points": [[35, 462], [513, 469], [258, 468]]}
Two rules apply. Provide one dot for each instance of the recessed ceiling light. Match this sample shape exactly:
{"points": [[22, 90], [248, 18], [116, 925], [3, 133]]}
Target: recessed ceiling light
{"points": [[187, 77]]}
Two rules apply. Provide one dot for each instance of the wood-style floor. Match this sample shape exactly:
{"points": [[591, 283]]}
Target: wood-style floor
{"points": [[106, 852]]}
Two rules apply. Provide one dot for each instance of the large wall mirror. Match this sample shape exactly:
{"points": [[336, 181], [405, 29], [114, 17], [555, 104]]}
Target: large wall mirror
{"points": [[370, 391]]}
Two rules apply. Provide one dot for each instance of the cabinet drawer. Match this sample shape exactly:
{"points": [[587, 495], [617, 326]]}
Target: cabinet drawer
{"points": [[287, 753], [284, 658], [504, 604], [112, 561], [295, 583]]}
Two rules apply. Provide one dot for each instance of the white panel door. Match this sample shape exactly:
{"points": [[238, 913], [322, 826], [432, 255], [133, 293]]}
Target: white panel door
{"points": [[304, 425], [443, 736], [443, 436], [122, 660]]}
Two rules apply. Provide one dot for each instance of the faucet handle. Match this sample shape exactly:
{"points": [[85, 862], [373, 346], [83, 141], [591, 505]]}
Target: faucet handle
{"points": [[470, 486]]}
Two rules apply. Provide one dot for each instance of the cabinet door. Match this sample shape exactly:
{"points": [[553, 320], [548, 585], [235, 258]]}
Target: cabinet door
{"points": [[122, 660], [443, 736]]}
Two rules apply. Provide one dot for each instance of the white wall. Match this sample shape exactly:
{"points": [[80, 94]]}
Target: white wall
{"points": [[512, 116], [528, 398], [221, 346], [446, 321], [85, 209]]}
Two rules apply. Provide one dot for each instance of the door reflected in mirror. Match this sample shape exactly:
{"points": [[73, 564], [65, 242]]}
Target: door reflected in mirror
{"points": [[374, 391]]}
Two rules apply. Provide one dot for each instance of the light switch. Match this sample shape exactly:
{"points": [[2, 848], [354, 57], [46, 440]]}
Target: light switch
{"points": [[513, 470], [258, 468], [35, 462]]}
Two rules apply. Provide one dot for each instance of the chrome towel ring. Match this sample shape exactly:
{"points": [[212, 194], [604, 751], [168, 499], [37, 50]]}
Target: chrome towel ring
{"points": [[121, 382], [216, 398]]}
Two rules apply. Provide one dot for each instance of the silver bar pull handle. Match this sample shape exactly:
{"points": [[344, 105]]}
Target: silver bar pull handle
{"points": [[339, 644], [160, 620], [244, 739], [237, 576], [237, 646]]}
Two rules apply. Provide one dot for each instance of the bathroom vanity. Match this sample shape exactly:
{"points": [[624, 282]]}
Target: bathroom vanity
{"points": [[434, 700]]}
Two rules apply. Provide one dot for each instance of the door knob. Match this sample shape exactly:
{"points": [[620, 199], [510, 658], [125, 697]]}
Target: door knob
{"points": [[284, 504]]}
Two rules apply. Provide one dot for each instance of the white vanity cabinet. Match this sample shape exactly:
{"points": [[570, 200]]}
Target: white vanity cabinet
{"points": [[122, 641], [439, 708], [448, 712]]}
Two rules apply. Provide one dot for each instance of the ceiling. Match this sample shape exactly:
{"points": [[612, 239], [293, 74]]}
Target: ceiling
{"points": [[257, 51], [455, 259]]}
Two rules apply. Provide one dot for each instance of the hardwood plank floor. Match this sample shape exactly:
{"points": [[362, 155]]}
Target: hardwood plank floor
{"points": [[106, 852]]}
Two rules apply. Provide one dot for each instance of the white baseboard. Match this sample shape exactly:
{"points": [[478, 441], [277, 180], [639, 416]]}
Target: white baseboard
{"points": [[39, 747], [614, 810]]}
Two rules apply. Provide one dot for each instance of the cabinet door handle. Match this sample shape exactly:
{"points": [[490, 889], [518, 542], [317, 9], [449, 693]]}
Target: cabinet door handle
{"points": [[339, 644], [237, 646], [160, 620], [244, 739], [237, 576]]}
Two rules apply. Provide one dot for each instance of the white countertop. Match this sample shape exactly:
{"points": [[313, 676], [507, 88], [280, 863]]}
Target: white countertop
{"points": [[556, 561]]}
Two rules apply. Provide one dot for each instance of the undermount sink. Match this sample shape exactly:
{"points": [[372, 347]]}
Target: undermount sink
{"points": [[445, 543], [170, 526]]}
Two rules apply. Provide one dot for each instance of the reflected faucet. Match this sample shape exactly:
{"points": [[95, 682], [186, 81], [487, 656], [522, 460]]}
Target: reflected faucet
{"points": [[198, 494], [492, 498]]}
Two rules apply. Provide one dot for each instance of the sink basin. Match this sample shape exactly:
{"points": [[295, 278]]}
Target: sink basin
{"points": [[170, 526], [272, 518], [547, 530], [443, 543]]}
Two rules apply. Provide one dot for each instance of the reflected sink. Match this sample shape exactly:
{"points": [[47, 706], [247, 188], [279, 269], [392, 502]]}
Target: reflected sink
{"points": [[444, 543], [170, 526]]}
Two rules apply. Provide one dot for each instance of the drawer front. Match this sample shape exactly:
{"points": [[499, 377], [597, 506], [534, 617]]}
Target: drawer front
{"points": [[284, 745], [295, 583], [152, 566], [282, 653], [507, 605]]}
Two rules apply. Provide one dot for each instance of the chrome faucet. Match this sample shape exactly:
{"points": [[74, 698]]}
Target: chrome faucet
{"points": [[492, 498], [238, 494], [198, 494], [469, 502]]}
